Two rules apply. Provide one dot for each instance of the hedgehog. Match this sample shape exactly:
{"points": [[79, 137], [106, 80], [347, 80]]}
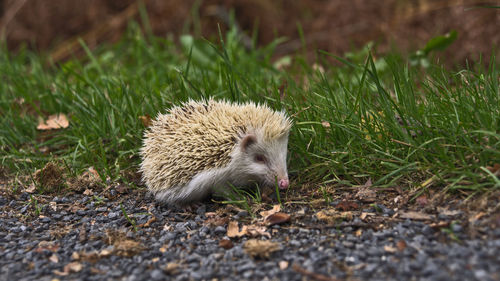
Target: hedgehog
{"points": [[200, 147]]}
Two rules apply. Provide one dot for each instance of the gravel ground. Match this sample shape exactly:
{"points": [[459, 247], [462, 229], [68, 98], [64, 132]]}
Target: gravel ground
{"points": [[77, 237]]}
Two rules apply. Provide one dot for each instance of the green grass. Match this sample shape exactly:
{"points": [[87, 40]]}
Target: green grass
{"points": [[383, 119]]}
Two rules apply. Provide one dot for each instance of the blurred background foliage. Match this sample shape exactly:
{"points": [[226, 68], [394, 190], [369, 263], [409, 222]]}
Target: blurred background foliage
{"points": [[334, 26]]}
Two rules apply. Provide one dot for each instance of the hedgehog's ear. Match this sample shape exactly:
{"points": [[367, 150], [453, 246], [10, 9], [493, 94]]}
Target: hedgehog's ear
{"points": [[247, 141]]}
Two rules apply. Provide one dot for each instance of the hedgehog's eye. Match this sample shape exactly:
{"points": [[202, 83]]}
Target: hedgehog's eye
{"points": [[259, 158]]}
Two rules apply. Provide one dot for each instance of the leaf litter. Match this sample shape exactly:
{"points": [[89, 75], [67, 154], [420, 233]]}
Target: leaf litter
{"points": [[53, 122]]}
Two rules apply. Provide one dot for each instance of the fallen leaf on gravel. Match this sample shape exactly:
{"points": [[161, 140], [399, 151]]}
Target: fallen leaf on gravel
{"points": [[53, 205], [255, 231], [448, 213], [226, 244], [148, 223], [277, 218], [260, 248], [215, 220], [401, 245], [31, 188], [54, 258], [46, 245], [233, 230], [332, 216], [312, 275], [415, 215], [121, 188], [60, 232], [390, 249], [55, 121], [105, 253], [347, 205], [92, 256], [88, 192], [73, 267], [358, 232], [364, 215], [127, 248], [94, 270], [210, 214], [275, 209], [476, 217], [122, 246], [249, 230], [171, 268], [283, 265], [75, 256], [69, 268]]}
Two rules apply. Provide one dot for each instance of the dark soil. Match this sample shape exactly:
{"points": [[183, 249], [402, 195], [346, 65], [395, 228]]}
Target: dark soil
{"points": [[335, 26]]}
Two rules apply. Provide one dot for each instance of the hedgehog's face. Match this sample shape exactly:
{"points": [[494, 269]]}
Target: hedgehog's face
{"points": [[264, 161]]}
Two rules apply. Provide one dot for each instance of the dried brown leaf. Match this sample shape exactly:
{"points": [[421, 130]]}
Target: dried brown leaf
{"points": [[215, 220], [415, 215], [226, 244], [73, 267], [448, 213], [55, 121], [256, 231], [476, 217], [149, 222], [46, 245], [277, 218], [495, 169], [275, 209], [127, 248], [171, 268], [260, 248], [248, 230], [233, 230], [283, 265], [88, 192], [312, 275], [364, 215], [331, 216], [390, 249], [54, 258], [366, 194], [347, 205], [121, 188], [53, 205], [401, 245]]}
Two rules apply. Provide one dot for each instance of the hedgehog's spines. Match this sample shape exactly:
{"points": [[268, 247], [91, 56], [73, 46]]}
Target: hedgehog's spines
{"points": [[196, 140]]}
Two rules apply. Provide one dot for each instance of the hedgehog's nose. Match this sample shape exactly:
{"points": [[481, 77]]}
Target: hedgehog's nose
{"points": [[283, 184]]}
